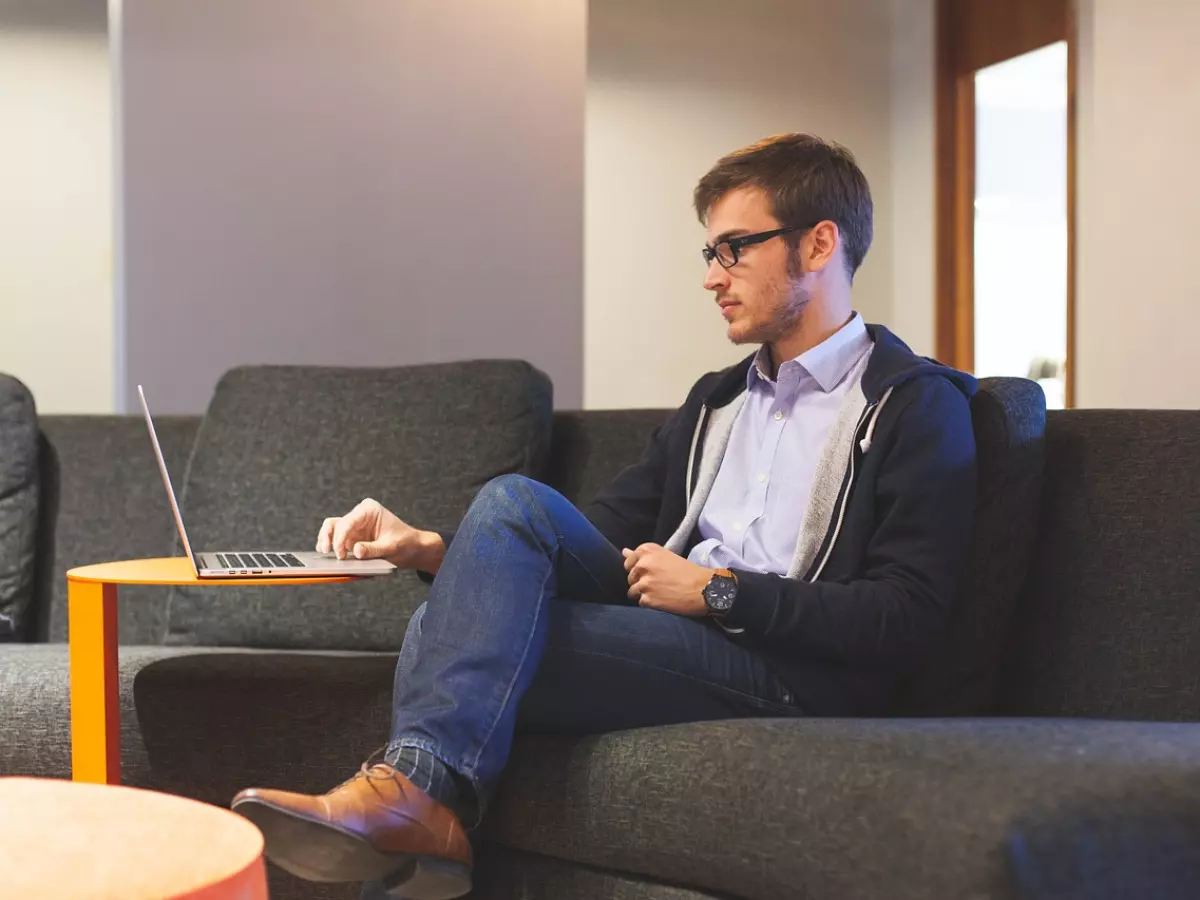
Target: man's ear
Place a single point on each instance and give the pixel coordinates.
(820, 245)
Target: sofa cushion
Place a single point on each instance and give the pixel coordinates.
(904, 809)
(752, 808)
(103, 499)
(205, 723)
(1009, 420)
(282, 447)
(35, 694)
(1109, 626)
(18, 508)
(504, 874)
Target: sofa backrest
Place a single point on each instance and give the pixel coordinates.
(103, 499)
(1109, 625)
(1106, 625)
(282, 447)
(590, 448)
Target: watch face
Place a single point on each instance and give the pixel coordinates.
(720, 593)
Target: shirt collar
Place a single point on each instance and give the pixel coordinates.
(827, 363)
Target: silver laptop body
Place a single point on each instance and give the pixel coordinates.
(256, 563)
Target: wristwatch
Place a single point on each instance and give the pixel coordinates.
(720, 592)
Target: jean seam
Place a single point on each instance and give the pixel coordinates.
(474, 764)
(684, 675)
(567, 550)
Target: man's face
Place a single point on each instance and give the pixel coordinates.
(761, 297)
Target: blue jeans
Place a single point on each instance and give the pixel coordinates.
(528, 623)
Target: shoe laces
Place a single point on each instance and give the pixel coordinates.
(368, 769)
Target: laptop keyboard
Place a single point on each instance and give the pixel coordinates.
(259, 561)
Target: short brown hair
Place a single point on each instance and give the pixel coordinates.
(807, 179)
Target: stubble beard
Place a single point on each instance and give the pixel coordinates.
(786, 308)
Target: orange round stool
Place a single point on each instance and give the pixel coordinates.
(69, 840)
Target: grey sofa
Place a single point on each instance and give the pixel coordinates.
(1041, 753)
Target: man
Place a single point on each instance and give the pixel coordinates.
(787, 545)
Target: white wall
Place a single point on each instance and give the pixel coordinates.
(56, 300)
(1138, 300)
(284, 157)
(672, 86)
(912, 225)
(352, 182)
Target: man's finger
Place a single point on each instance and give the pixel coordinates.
(635, 588)
(341, 534)
(368, 550)
(325, 535)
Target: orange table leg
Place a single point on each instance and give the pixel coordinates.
(95, 714)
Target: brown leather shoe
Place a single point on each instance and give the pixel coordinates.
(377, 825)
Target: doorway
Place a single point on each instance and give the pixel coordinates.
(1005, 155)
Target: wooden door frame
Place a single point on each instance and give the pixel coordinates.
(972, 34)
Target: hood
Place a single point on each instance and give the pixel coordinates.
(893, 363)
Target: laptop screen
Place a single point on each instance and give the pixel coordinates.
(162, 467)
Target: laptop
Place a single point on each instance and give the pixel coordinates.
(257, 563)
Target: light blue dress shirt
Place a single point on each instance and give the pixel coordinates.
(752, 518)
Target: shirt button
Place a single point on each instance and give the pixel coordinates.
(704, 559)
(779, 415)
(737, 526)
(762, 479)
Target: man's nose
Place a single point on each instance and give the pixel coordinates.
(716, 277)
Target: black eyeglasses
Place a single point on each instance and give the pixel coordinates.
(727, 252)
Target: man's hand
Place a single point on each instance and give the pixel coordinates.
(371, 532)
(660, 579)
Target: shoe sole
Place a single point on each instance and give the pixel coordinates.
(317, 851)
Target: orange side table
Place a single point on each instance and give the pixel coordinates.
(92, 637)
(61, 840)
